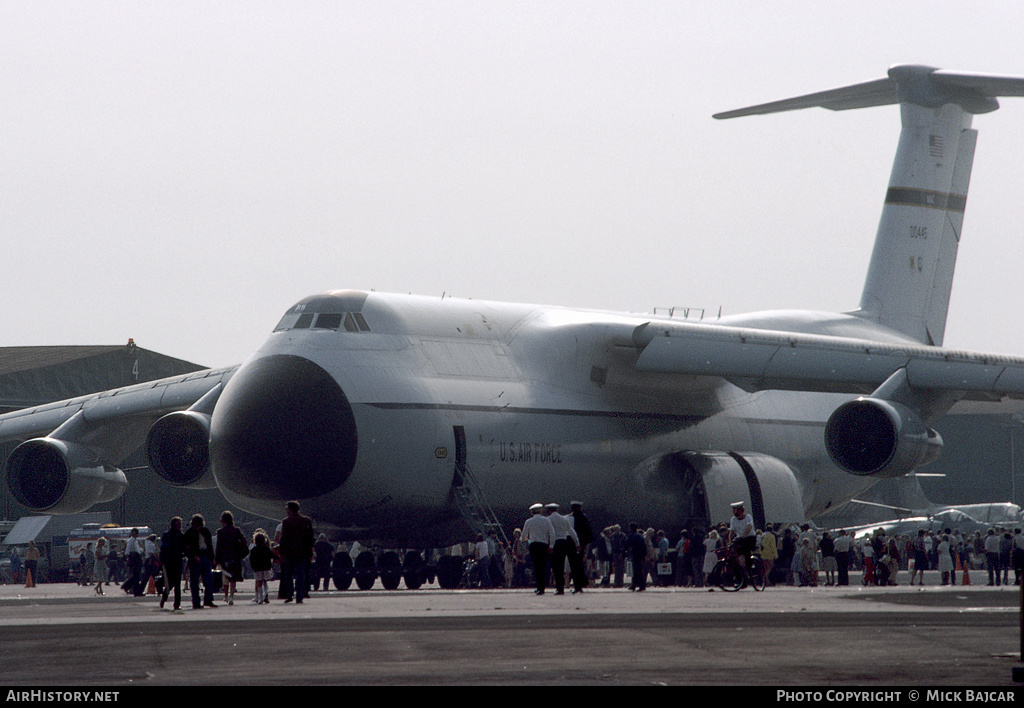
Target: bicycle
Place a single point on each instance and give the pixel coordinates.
(730, 575)
(470, 574)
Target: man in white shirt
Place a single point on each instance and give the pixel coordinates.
(134, 551)
(565, 534)
(539, 535)
(742, 535)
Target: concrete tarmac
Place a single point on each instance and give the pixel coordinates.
(964, 636)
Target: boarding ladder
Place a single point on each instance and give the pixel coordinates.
(470, 499)
(473, 505)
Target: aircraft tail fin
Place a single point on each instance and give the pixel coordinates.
(910, 275)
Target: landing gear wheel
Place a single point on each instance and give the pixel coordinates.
(390, 571)
(341, 571)
(365, 571)
(413, 570)
(449, 571)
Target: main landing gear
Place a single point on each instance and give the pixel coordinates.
(390, 568)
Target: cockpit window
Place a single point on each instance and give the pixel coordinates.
(328, 321)
(353, 321)
(327, 311)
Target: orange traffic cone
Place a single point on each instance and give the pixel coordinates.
(966, 575)
(151, 587)
(29, 583)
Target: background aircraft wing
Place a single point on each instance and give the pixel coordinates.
(114, 416)
(69, 451)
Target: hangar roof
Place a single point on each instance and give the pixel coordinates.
(14, 359)
(33, 375)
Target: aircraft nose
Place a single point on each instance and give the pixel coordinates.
(282, 429)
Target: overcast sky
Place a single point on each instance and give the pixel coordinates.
(183, 172)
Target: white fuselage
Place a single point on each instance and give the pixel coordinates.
(551, 408)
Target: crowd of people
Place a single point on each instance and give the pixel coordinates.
(550, 550)
(206, 562)
(803, 556)
(796, 555)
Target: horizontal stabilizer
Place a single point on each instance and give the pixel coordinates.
(881, 92)
(921, 85)
(990, 86)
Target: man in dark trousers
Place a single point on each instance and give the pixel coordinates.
(172, 550)
(619, 554)
(636, 549)
(322, 567)
(198, 542)
(565, 537)
(135, 552)
(296, 549)
(576, 555)
(539, 535)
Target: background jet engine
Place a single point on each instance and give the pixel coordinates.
(60, 477)
(877, 438)
(178, 447)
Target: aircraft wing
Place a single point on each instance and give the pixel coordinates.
(764, 359)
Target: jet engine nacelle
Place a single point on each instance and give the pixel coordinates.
(61, 477)
(876, 438)
(178, 447)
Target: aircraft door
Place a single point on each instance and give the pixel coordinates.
(460, 447)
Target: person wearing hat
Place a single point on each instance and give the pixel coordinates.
(539, 535)
(565, 538)
(742, 534)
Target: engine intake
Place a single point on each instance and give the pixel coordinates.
(47, 474)
(178, 447)
(870, 437)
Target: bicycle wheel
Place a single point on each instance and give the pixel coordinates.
(728, 576)
(756, 574)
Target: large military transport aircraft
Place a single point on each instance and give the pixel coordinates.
(382, 413)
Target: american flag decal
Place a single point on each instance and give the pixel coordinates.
(935, 145)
